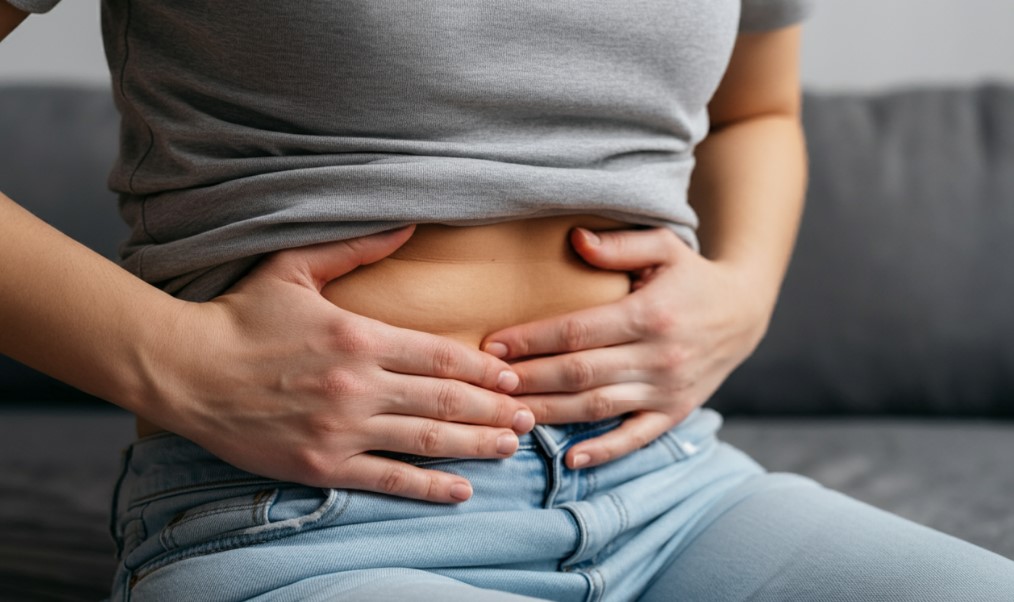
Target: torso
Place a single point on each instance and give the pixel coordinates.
(362, 112)
(467, 282)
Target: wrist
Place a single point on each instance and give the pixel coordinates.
(158, 360)
(755, 285)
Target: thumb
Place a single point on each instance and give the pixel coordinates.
(321, 263)
(627, 250)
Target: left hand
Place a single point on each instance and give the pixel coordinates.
(655, 355)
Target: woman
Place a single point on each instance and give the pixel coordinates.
(500, 400)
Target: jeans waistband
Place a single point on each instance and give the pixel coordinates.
(689, 434)
(167, 464)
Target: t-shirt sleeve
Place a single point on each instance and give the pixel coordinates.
(33, 6)
(762, 15)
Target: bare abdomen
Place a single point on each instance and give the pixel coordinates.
(468, 282)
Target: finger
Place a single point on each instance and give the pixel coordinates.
(589, 406)
(600, 326)
(384, 475)
(581, 370)
(436, 439)
(413, 352)
(316, 265)
(637, 431)
(628, 250)
(452, 400)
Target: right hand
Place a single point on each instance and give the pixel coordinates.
(279, 382)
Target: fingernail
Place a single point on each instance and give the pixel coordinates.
(524, 421)
(590, 236)
(581, 459)
(507, 381)
(496, 349)
(506, 444)
(461, 491)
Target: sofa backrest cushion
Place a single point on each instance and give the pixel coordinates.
(900, 295)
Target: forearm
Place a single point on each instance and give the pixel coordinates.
(748, 190)
(75, 315)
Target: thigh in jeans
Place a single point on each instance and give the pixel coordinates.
(783, 537)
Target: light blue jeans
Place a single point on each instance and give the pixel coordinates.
(686, 518)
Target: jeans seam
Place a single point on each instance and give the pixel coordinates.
(187, 518)
(234, 541)
(134, 533)
(621, 510)
(162, 493)
(671, 444)
(582, 534)
(219, 545)
(600, 584)
(168, 537)
(114, 511)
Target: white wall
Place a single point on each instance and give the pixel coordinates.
(863, 44)
(64, 44)
(854, 44)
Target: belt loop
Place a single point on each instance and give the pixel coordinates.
(544, 437)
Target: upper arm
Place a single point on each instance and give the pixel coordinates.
(10, 18)
(762, 78)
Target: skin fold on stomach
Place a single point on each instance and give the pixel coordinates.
(465, 282)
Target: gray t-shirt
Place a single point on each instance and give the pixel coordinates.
(253, 126)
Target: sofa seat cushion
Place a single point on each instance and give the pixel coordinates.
(952, 475)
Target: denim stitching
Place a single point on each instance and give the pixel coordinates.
(671, 444)
(264, 500)
(596, 583)
(602, 583)
(621, 510)
(187, 517)
(114, 512)
(203, 486)
(582, 533)
(134, 533)
(221, 545)
(233, 541)
(345, 506)
(168, 537)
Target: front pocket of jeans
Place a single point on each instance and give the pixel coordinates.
(262, 514)
(250, 518)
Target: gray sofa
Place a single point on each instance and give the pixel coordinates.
(887, 373)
